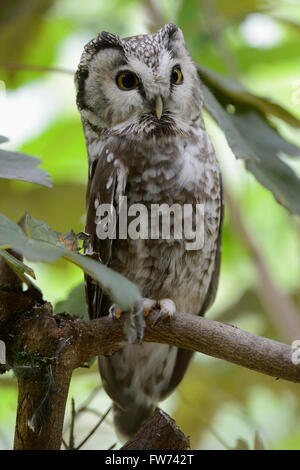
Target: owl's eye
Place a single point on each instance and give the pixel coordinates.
(127, 80)
(176, 75)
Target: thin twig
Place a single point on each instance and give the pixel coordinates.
(34, 68)
(94, 429)
(73, 416)
(64, 444)
(84, 406)
(112, 446)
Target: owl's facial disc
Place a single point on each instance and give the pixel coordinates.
(142, 83)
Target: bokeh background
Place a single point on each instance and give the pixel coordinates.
(218, 404)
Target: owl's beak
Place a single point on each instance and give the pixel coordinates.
(159, 107)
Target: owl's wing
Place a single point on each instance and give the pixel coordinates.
(214, 281)
(106, 184)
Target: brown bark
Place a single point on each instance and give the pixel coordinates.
(46, 432)
(159, 432)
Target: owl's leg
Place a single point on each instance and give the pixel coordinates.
(167, 310)
(146, 305)
(141, 310)
(135, 326)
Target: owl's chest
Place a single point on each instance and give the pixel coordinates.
(178, 173)
(162, 264)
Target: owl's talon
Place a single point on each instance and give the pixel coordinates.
(115, 312)
(146, 312)
(167, 310)
(148, 306)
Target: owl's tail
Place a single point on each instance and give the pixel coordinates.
(128, 421)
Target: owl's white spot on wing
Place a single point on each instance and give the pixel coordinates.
(89, 250)
(94, 149)
(109, 182)
(122, 173)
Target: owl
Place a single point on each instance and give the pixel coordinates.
(140, 102)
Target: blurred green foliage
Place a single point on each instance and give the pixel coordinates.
(217, 403)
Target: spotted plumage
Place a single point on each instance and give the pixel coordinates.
(146, 140)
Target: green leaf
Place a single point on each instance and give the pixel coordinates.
(66, 135)
(236, 141)
(122, 291)
(17, 266)
(230, 89)
(13, 236)
(19, 166)
(75, 303)
(117, 287)
(40, 231)
(47, 245)
(252, 138)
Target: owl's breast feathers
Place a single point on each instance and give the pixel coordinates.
(174, 171)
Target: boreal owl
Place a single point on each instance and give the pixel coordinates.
(140, 101)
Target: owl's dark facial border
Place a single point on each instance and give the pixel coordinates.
(82, 72)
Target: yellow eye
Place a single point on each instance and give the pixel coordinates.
(127, 80)
(176, 75)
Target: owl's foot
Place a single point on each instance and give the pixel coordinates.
(167, 310)
(148, 306)
(134, 328)
(115, 312)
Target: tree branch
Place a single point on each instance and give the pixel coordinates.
(198, 334)
(44, 349)
(158, 432)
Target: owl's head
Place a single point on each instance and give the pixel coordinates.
(140, 84)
